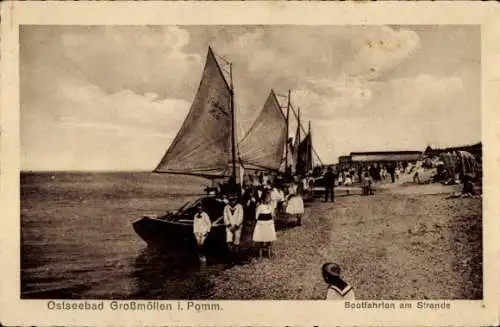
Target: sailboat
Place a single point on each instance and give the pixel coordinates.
(206, 146)
(304, 154)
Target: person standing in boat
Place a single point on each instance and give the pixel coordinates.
(261, 179)
(201, 228)
(255, 181)
(233, 219)
(232, 186)
(246, 182)
(264, 233)
(265, 179)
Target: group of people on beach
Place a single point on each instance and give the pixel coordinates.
(258, 202)
(261, 199)
(349, 175)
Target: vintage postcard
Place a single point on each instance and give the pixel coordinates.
(249, 163)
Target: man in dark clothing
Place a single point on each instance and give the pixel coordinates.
(392, 171)
(329, 179)
(360, 174)
(373, 172)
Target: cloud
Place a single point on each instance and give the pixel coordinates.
(330, 70)
(355, 98)
(102, 95)
(109, 93)
(120, 130)
(420, 95)
(328, 99)
(379, 50)
(144, 59)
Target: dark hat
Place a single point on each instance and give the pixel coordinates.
(232, 196)
(330, 271)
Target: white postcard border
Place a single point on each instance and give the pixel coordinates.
(14, 311)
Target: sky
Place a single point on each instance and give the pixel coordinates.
(114, 97)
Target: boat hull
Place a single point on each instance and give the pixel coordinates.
(177, 236)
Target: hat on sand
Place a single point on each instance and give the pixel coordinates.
(330, 271)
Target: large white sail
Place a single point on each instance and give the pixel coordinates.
(203, 144)
(263, 144)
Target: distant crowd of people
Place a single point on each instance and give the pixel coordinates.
(376, 172)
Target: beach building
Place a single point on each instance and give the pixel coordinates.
(345, 160)
(380, 157)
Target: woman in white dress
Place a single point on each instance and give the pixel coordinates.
(264, 233)
(341, 178)
(347, 180)
(295, 203)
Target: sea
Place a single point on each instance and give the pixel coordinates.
(77, 240)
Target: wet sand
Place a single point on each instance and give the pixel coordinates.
(405, 242)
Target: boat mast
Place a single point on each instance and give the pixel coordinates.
(297, 142)
(304, 130)
(298, 127)
(287, 121)
(233, 131)
(309, 148)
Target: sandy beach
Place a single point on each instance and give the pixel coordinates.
(405, 242)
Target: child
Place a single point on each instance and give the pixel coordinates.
(264, 233)
(367, 184)
(233, 219)
(338, 289)
(295, 204)
(201, 228)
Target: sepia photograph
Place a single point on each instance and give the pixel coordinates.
(251, 162)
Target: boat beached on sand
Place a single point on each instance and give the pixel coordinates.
(206, 146)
